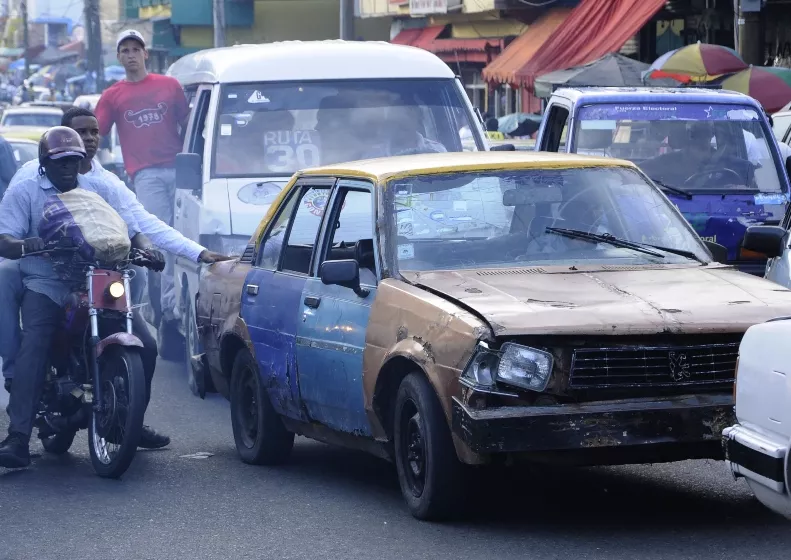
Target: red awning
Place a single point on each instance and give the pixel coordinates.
(449, 50)
(594, 28)
(418, 37)
(505, 67)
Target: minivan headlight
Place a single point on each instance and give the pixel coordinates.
(516, 365)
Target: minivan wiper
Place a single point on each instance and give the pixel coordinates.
(603, 238)
(671, 188)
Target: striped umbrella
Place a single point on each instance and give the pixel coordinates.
(771, 86)
(698, 62)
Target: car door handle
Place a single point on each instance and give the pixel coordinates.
(312, 302)
(252, 290)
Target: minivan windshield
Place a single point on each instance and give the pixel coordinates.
(536, 217)
(694, 147)
(275, 129)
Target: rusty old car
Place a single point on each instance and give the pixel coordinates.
(447, 310)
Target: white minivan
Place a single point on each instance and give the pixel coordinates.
(262, 112)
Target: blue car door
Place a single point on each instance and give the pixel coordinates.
(272, 294)
(334, 319)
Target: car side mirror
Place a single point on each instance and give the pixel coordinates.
(767, 240)
(503, 148)
(344, 273)
(188, 172)
(718, 252)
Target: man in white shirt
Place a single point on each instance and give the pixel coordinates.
(118, 195)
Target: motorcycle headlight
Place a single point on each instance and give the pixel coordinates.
(116, 290)
(524, 367)
(516, 365)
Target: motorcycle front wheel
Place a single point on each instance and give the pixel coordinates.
(114, 433)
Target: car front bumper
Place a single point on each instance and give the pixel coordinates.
(637, 423)
(764, 461)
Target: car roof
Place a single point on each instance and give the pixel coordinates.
(623, 94)
(308, 60)
(20, 140)
(34, 109)
(384, 169)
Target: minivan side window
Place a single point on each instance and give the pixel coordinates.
(200, 110)
(556, 129)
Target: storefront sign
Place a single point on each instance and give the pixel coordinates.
(422, 7)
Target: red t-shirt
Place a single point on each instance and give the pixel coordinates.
(147, 114)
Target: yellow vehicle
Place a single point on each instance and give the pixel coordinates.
(33, 133)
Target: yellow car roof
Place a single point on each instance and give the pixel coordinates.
(385, 169)
(33, 133)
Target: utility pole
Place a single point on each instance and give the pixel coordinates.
(93, 32)
(347, 20)
(751, 41)
(219, 23)
(25, 37)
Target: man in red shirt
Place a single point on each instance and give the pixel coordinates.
(150, 112)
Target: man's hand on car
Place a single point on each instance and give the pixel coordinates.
(210, 257)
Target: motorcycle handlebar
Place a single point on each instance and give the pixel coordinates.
(136, 257)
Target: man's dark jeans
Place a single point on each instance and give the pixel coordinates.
(41, 317)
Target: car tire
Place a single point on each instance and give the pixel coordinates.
(259, 433)
(429, 471)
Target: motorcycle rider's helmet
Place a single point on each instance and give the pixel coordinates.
(59, 142)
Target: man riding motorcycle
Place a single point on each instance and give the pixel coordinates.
(163, 236)
(60, 153)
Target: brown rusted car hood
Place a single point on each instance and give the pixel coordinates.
(554, 300)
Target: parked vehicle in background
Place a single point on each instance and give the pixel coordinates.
(782, 126)
(32, 133)
(758, 447)
(478, 308)
(24, 150)
(262, 112)
(712, 152)
(44, 117)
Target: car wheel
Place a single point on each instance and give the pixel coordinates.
(428, 469)
(261, 438)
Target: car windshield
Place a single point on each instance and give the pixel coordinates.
(501, 219)
(276, 129)
(24, 151)
(47, 120)
(688, 146)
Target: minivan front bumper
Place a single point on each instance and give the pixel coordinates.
(661, 422)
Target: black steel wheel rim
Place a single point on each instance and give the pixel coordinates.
(413, 448)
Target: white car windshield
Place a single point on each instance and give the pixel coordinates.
(279, 128)
(536, 217)
(689, 146)
(46, 120)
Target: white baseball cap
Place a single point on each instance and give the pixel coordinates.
(129, 34)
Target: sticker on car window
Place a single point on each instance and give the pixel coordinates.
(258, 97)
(771, 198)
(226, 130)
(406, 251)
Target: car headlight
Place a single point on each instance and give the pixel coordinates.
(516, 365)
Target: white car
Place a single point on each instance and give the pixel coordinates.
(758, 447)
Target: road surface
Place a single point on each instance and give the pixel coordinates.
(335, 504)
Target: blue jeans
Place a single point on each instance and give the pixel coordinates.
(11, 291)
(156, 190)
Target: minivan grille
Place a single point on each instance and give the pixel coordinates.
(665, 366)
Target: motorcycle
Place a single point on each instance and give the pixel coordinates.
(95, 379)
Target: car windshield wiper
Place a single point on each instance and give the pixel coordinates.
(671, 188)
(680, 252)
(603, 238)
(608, 238)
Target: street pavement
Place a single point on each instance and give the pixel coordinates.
(336, 504)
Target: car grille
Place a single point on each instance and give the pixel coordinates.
(666, 366)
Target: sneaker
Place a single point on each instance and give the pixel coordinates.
(150, 439)
(14, 452)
